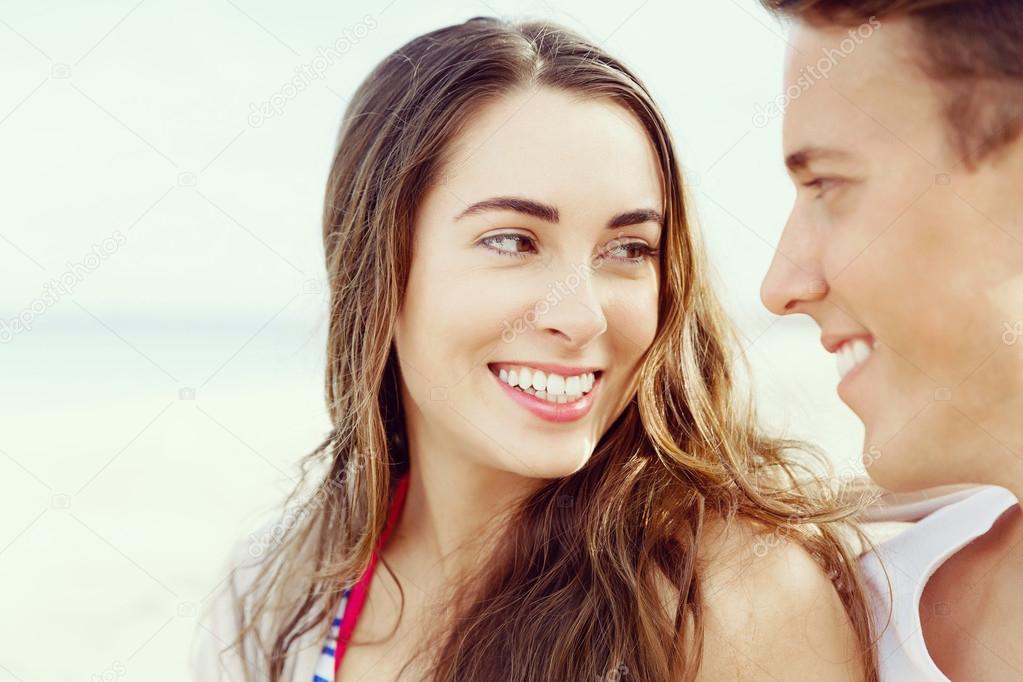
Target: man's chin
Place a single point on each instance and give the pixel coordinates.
(905, 461)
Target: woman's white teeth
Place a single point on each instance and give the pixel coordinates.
(553, 387)
(852, 354)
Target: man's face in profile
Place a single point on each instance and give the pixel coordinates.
(908, 261)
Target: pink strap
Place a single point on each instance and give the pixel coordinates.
(361, 589)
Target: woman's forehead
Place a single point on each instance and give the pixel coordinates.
(554, 146)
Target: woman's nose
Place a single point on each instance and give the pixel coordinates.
(576, 313)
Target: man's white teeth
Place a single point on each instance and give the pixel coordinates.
(552, 387)
(851, 354)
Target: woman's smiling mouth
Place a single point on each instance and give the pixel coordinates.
(548, 394)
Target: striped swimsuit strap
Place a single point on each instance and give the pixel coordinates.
(352, 599)
(325, 665)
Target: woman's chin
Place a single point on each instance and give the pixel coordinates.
(530, 465)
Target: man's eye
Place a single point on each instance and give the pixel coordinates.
(507, 244)
(822, 184)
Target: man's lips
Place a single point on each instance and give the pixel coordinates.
(832, 342)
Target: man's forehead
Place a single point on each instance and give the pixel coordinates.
(847, 54)
(847, 86)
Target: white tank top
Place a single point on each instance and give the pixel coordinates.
(947, 524)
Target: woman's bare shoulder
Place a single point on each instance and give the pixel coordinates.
(771, 610)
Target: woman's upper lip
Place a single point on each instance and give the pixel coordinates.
(548, 367)
(832, 342)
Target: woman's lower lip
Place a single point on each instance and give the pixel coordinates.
(554, 412)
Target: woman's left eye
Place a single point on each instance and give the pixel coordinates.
(644, 250)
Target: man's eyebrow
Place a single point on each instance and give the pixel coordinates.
(799, 160)
(550, 213)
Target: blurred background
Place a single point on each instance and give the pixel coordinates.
(162, 169)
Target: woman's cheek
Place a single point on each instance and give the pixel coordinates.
(631, 313)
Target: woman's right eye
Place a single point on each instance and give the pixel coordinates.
(506, 240)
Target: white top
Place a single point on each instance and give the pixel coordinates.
(949, 522)
(217, 626)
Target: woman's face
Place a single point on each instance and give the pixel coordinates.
(534, 263)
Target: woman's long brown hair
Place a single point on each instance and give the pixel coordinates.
(574, 589)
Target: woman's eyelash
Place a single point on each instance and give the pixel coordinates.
(646, 253)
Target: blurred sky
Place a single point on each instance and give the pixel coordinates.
(159, 402)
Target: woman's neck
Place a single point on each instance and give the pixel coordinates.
(452, 508)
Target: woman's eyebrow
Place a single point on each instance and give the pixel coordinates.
(636, 217)
(550, 213)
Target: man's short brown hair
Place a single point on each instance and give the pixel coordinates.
(972, 48)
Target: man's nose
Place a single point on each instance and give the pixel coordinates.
(789, 282)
